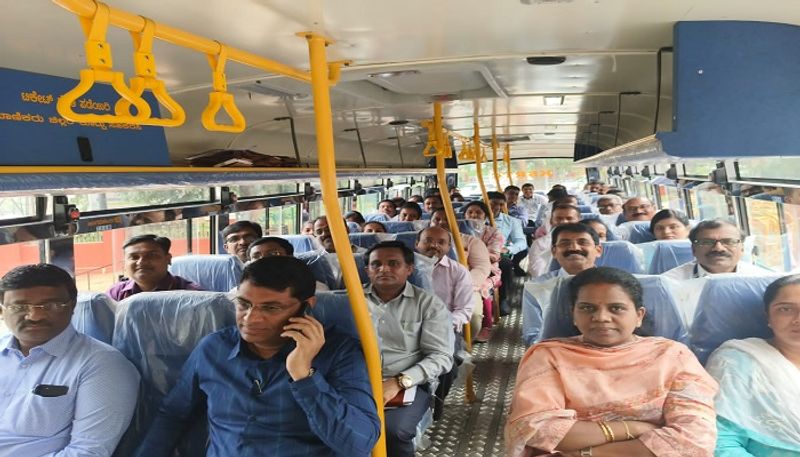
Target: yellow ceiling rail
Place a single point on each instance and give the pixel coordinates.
(320, 71)
(100, 69)
(144, 63)
(494, 163)
(479, 157)
(507, 160)
(220, 98)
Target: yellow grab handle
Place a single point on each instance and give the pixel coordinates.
(145, 64)
(99, 61)
(221, 98)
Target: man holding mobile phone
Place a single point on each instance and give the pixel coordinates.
(63, 393)
(277, 383)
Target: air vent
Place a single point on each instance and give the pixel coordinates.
(546, 60)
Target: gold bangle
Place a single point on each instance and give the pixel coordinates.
(628, 431)
(607, 432)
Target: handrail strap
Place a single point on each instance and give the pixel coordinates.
(220, 98)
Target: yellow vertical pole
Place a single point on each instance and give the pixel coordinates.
(441, 147)
(494, 162)
(476, 143)
(507, 160)
(327, 175)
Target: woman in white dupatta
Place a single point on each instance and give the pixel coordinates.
(758, 404)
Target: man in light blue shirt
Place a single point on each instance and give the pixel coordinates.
(515, 249)
(63, 394)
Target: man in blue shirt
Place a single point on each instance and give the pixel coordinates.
(515, 249)
(277, 384)
(63, 393)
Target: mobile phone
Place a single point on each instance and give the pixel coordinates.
(49, 390)
(303, 310)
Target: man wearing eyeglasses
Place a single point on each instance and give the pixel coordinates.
(717, 246)
(61, 392)
(638, 209)
(238, 237)
(147, 260)
(278, 383)
(322, 232)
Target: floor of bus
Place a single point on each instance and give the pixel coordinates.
(476, 430)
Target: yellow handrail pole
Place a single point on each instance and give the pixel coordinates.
(494, 163)
(507, 160)
(178, 37)
(476, 143)
(327, 176)
(441, 148)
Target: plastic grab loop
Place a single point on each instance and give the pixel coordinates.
(98, 59)
(220, 98)
(145, 65)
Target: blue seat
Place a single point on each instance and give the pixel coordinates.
(640, 232)
(668, 254)
(213, 272)
(587, 216)
(365, 240)
(321, 267)
(379, 217)
(157, 331)
(536, 295)
(426, 216)
(94, 316)
(399, 226)
(457, 205)
(585, 208)
(302, 243)
(353, 227)
(623, 255)
(663, 317)
(333, 309)
(731, 306)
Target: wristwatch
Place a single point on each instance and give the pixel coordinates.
(404, 381)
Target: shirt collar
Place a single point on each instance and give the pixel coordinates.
(445, 261)
(408, 291)
(56, 347)
(699, 272)
(239, 347)
(164, 284)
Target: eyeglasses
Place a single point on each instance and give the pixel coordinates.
(236, 238)
(708, 242)
(581, 242)
(273, 253)
(642, 207)
(244, 306)
(19, 308)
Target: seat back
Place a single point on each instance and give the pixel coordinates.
(399, 226)
(623, 255)
(663, 317)
(379, 217)
(536, 297)
(324, 271)
(157, 331)
(635, 232)
(333, 310)
(94, 315)
(668, 254)
(365, 240)
(353, 227)
(213, 272)
(731, 306)
(585, 208)
(302, 243)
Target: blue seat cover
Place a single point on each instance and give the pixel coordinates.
(213, 272)
(94, 315)
(301, 243)
(379, 217)
(640, 232)
(365, 240)
(353, 227)
(320, 264)
(623, 255)
(333, 309)
(669, 254)
(585, 208)
(662, 318)
(399, 226)
(731, 306)
(157, 331)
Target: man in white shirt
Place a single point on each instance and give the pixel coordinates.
(717, 246)
(533, 202)
(540, 252)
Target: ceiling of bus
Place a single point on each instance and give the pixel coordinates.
(469, 53)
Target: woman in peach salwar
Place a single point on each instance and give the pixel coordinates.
(609, 392)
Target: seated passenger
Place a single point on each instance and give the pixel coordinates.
(717, 247)
(308, 228)
(269, 246)
(540, 252)
(669, 224)
(757, 404)
(416, 199)
(64, 393)
(608, 391)
(494, 241)
(432, 203)
(374, 227)
(410, 212)
(238, 237)
(598, 226)
(388, 208)
(576, 247)
(478, 259)
(323, 234)
(515, 208)
(398, 201)
(355, 216)
(414, 328)
(277, 383)
(609, 204)
(638, 209)
(456, 197)
(147, 258)
(515, 249)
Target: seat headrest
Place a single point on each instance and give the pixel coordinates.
(214, 272)
(94, 316)
(302, 243)
(623, 255)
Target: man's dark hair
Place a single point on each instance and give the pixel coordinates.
(412, 207)
(607, 275)
(161, 241)
(399, 201)
(711, 225)
(386, 201)
(775, 287)
(668, 214)
(378, 223)
(570, 207)
(588, 222)
(568, 201)
(557, 193)
(574, 228)
(511, 187)
(38, 275)
(408, 254)
(358, 217)
(494, 195)
(287, 246)
(239, 226)
(419, 233)
(279, 273)
(479, 204)
(527, 184)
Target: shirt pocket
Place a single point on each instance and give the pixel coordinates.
(45, 416)
(411, 333)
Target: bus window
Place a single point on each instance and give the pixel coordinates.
(13, 255)
(670, 198)
(201, 235)
(764, 223)
(257, 215)
(769, 167)
(258, 190)
(134, 199)
(700, 168)
(368, 203)
(711, 203)
(17, 207)
(791, 240)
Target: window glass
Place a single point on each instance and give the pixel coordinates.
(138, 198)
(791, 240)
(201, 235)
(542, 173)
(770, 167)
(699, 167)
(257, 190)
(13, 255)
(368, 203)
(259, 216)
(711, 204)
(768, 243)
(17, 207)
(316, 209)
(289, 222)
(671, 199)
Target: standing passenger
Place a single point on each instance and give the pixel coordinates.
(277, 384)
(147, 259)
(64, 393)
